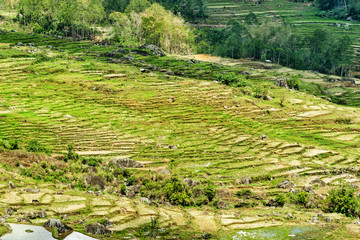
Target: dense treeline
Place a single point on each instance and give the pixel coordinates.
(321, 50)
(341, 9)
(189, 9)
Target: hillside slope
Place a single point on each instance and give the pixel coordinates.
(65, 92)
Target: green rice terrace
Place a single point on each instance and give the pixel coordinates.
(142, 146)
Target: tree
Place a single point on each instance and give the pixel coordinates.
(115, 5)
(137, 6)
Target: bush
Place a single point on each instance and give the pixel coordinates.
(227, 78)
(71, 154)
(280, 200)
(302, 197)
(244, 193)
(210, 192)
(177, 193)
(123, 189)
(37, 147)
(342, 200)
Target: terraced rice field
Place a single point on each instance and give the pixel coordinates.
(303, 16)
(197, 128)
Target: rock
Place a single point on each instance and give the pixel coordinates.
(96, 228)
(127, 59)
(164, 171)
(286, 184)
(31, 45)
(308, 189)
(268, 61)
(155, 50)
(65, 218)
(56, 223)
(31, 215)
(271, 203)
(79, 59)
(206, 236)
(222, 205)
(11, 185)
(134, 188)
(282, 82)
(352, 169)
(289, 216)
(349, 19)
(191, 182)
(327, 219)
(13, 31)
(81, 222)
(244, 181)
(294, 175)
(23, 220)
(93, 181)
(145, 200)
(106, 223)
(41, 214)
(98, 193)
(172, 147)
(130, 194)
(293, 191)
(2, 220)
(19, 44)
(245, 73)
(9, 211)
(35, 201)
(315, 220)
(143, 70)
(126, 163)
(30, 190)
(262, 137)
(318, 182)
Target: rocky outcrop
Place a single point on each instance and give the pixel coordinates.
(56, 223)
(126, 163)
(97, 228)
(286, 184)
(244, 181)
(164, 171)
(318, 182)
(155, 50)
(93, 181)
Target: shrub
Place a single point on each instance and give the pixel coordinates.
(177, 193)
(227, 78)
(210, 192)
(71, 154)
(37, 147)
(123, 189)
(342, 200)
(302, 197)
(280, 200)
(244, 193)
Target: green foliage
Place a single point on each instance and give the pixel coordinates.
(293, 82)
(177, 193)
(91, 161)
(342, 200)
(37, 147)
(302, 197)
(123, 189)
(71, 154)
(210, 192)
(251, 19)
(280, 200)
(137, 6)
(246, 193)
(227, 78)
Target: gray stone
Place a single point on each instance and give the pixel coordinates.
(93, 181)
(96, 228)
(145, 200)
(11, 185)
(164, 171)
(318, 182)
(315, 220)
(61, 227)
(244, 181)
(155, 50)
(126, 163)
(222, 205)
(286, 184)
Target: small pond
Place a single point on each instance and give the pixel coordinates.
(31, 232)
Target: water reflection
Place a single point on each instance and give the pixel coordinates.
(19, 232)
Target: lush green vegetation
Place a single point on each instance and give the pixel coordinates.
(321, 50)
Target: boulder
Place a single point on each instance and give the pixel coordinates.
(244, 181)
(315, 220)
(19, 44)
(222, 205)
(282, 82)
(145, 200)
(11, 185)
(126, 163)
(97, 228)
(23, 220)
(318, 182)
(206, 236)
(286, 184)
(262, 137)
(93, 181)
(155, 50)
(56, 223)
(271, 203)
(191, 182)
